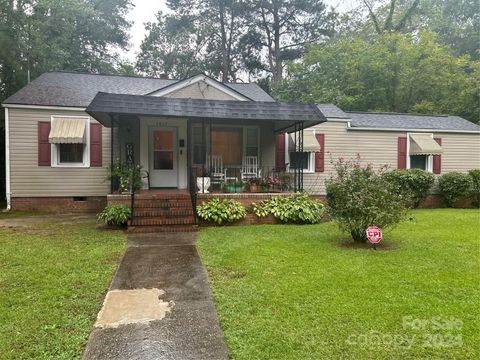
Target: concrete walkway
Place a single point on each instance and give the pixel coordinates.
(181, 323)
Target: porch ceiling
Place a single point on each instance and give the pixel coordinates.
(284, 116)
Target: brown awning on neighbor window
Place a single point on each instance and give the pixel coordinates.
(310, 143)
(424, 144)
(67, 131)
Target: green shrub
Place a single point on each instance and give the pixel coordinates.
(125, 174)
(298, 209)
(115, 215)
(220, 211)
(475, 176)
(413, 183)
(359, 197)
(453, 186)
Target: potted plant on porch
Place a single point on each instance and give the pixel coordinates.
(256, 185)
(234, 187)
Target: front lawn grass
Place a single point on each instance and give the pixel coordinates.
(292, 292)
(52, 281)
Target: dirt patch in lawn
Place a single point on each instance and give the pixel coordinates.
(349, 244)
(37, 221)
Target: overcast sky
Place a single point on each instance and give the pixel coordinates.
(145, 10)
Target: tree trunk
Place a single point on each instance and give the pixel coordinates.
(225, 64)
(278, 70)
(358, 236)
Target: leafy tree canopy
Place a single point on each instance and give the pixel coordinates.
(393, 72)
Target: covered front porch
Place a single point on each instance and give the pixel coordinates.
(205, 145)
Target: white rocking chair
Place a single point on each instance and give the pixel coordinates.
(217, 172)
(250, 168)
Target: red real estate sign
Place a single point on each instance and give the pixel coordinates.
(374, 234)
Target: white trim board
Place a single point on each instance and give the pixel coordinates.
(196, 79)
(349, 127)
(43, 107)
(7, 160)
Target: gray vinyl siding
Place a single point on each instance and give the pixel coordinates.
(461, 151)
(30, 180)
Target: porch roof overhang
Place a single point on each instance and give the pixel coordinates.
(284, 116)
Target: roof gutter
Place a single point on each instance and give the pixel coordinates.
(350, 127)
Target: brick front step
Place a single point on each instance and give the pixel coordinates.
(158, 221)
(162, 204)
(165, 213)
(164, 228)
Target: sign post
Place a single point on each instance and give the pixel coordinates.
(374, 235)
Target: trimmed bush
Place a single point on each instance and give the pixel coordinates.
(221, 211)
(359, 197)
(297, 209)
(413, 183)
(475, 176)
(453, 186)
(115, 215)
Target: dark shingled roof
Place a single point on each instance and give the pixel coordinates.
(410, 122)
(382, 120)
(284, 115)
(78, 90)
(332, 111)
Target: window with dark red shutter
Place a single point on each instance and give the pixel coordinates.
(44, 147)
(95, 145)
(402, 153)
(320, 155)
(437, 159)
(280, 152)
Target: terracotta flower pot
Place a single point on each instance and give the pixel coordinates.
(255, 188)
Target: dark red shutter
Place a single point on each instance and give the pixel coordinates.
(95, 145)
(44, 147)
(437, 159)
(320, 155)
(402, 153)
(280, 152)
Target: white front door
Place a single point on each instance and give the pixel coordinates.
(163, 157)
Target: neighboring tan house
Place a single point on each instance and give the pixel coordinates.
(64, 130)
(435, 143)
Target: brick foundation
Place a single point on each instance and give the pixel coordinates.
(90, 204)
(435, 201)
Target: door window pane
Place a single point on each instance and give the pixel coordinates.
(163, 160)
(163, 140)
(71, 153)
(418, 162)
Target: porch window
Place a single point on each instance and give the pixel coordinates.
(198, 145)
(251, 141)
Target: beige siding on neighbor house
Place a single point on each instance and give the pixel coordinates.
(200, 90)
(461, 151)
(30, 180)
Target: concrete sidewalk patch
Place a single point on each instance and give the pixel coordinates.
(132, 307)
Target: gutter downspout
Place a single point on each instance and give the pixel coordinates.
(7, 160)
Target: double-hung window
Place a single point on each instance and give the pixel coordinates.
(69, 137)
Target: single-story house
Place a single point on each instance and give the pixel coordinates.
(64, 131)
